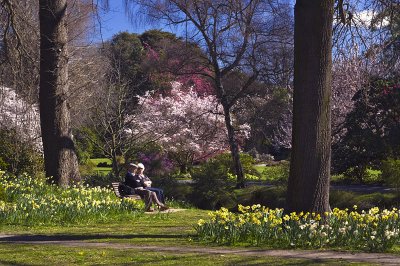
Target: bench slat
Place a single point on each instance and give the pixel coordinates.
(115, 186)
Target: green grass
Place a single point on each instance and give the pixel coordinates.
(259, 168)
(51, 255)
(273, 173)
(96, 161)
(159, 230)
(101, 170)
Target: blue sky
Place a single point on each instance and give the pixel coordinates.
(115, 20)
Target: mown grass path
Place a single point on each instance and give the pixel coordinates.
(159, 239)
(327, 257)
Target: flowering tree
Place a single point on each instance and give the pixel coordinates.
(20, 115)
(233, 36)
(349, 76)
(20, 142)
(189, 127)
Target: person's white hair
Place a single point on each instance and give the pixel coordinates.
(140, 165)
(133, 165)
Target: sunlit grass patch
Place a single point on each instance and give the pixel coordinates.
(55, 254)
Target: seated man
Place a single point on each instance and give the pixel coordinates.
(146, 183)
(133, 185)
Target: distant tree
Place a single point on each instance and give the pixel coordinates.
(371, 129)
(231, 35)
(109, 120)
(189, 127)
(125, 53)
(308, 187)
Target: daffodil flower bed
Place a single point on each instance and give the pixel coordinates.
(373, 230)
(25, 200)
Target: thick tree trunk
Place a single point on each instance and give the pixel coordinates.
(59, 153)
(308, 188)
(233, 147)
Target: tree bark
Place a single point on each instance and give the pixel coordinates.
(308, 188)
(233, 146)
(61, 162)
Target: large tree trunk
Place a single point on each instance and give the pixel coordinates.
(308, 188)
(59, 153)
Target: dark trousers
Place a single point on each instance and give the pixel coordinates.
(159, 192)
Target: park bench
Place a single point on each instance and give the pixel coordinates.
(115, 186)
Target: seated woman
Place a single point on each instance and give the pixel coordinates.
(133, 185)
(146, 183)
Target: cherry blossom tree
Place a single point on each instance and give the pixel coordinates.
(20, 115)
(20, 142)
(190, 127)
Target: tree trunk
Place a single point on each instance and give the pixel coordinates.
(233, 147)
(116, 169)
(308, 188)
(61, 162)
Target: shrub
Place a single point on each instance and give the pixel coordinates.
(347, 199)
(87, 168)
(214, 181)
(84, 139)
(274, 197)
(99, 180)
(173, 189)
(391, 173)
(17, 154)
(277, 174)
(211, 184)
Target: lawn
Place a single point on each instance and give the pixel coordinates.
(114, 240)
(101, 170)
(50, 255)
(45, 224)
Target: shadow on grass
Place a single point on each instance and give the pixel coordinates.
(7, 263)
(44, 238)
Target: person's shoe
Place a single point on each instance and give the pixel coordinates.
(164, 208)
(149, 210)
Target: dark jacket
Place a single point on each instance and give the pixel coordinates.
(131, 185)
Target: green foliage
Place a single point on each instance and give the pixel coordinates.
(86, 169)
(225, 165)
(154, 37)
(274, 197)
(347, 199)
(100, 179)
(211, 185)
(213, 182)
(18, 155)
(277, 174)
(84, 140)
(172, 188)
(368, 176)
(126, 54)
(391, 173)
(372, 129)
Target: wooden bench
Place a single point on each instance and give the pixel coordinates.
(115, 186)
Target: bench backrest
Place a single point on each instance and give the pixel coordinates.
(115, 186)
